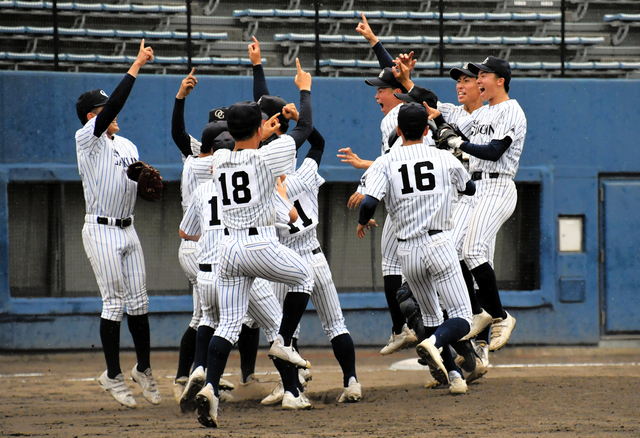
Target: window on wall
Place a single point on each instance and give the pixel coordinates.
(47, 257)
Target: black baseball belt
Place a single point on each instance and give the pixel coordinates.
(122, 223)
(318, 250)
(205, 267)
(475, 176)
(252, 231)
(430, 233)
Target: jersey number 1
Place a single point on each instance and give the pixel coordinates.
(306, 221)
(215, 218)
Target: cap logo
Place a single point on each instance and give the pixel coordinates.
(486, 60)
(381, 74)
(103, 93)
(219, 114)
(466, 66)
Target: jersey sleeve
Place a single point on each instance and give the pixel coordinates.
(278, 154)
(446, 109)
(376, 183)
(459, 175)
(306, 178)
(283, 207)
(190, 224)
(85, 140)
(195, 146)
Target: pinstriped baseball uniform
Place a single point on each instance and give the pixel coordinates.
(246, 182)
(301, 236)
(415, 182)
(115, 253)
(496, 197)
(203, 217)
(195, 171)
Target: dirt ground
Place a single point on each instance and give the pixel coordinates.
(528, 392)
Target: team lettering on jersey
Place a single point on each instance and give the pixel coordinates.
(481, 129)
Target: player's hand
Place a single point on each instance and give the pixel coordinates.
(362, 228)
(187, 85)
(270, 126)
(346, 155)
(145, 54)
(407, 59)
(364, 29)
(402, 74)
(254, 52)
(281, 187)
(433, 113)
(302, 79)
(289, 111)
(355, 200)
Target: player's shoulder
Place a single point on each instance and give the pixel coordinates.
(283, 141)
(87, 129)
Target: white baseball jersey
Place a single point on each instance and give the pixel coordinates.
(495, 122)
(246, 182)
(115, 253)
(301, 236)
(414, 182)
(203, 218)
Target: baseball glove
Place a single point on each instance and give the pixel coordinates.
(443, 134)
(149, 180)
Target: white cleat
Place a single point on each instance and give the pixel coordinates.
(275, 397)
(148, 384)
(478, 323)
(118, 389)
(501, 332)
(178, 388)
(352, 393)
(226, 385)
(194, 385)
(304, 375)
(288, 354)
(207, 404)
(431, 355)
(458, 385)
(482, 361)
(291, 403)
(406, 339)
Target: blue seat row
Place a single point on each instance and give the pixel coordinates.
(95, 7)
(622, 17)
(397, 15)
(613, 65)
(302, 38)
(123, 59)
(111, 33)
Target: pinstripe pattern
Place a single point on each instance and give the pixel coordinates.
(497, 122)
(268, 163)
(389, 245)
(195, 171)
(188, 258)
(389, 124)
(115, 253)
(431, 268)
(416, 210)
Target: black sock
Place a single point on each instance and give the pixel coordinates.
(295, 303)
(289, 376)
(110, 337)
(345, 353)
(139, 328)
(294, 344)
(205, 333)
(248, 347)
(391, 285)
(448, 361)
(484, 334)
(219, 349)
(486, 279)
(451, 330)
(187, 352)
(468, 279)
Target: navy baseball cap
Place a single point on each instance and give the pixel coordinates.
(456, 72)
(244, 115)
(420, 95)
(493, 65)
(218, 114)
(89, 100)
(272, 105)
(412, 117)
(386, 79)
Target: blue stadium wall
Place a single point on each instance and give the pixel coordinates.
(580, 133)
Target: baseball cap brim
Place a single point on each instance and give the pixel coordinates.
(405, 97)
(475, 68)
(456, 72)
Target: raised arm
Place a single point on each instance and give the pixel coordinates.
(384, 59)
(305, 119)
(260, 87)
(178, 130)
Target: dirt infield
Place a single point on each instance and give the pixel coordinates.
(528, 392)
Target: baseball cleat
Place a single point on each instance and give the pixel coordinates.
(352, 393)
(178, 388)
(291, 403)
(478, 323)
(458, 385)
(207, 404)
(194, 385)
(148, 384)
(466, 355)
(118, 389)
(406, 339)
(431, 355)
(501, 332)
(288, 354)
(275, 397)
(304, 375)
(482, 362)
(225, 385)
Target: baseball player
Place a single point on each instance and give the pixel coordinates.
(108, 235)
(496, 134)
(197, 158)
(246, 179)
(415, 182)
